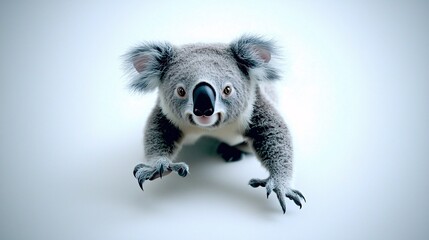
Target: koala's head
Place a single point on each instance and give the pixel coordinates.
(204, 85)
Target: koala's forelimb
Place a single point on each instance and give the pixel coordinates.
(161, 137)
(271, 141)
(162, 141)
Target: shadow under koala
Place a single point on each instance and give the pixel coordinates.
(206, 172)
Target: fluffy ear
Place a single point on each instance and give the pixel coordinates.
(253, 55)
(147, 64)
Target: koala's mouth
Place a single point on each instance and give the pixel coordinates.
(205, 121)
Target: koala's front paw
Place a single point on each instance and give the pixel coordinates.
(280, 189)
(145, 172)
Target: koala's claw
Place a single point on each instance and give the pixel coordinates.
(296, 197)
(136, 168)
(145, 172)
(280, 191)
(182, 172)
(258, 183)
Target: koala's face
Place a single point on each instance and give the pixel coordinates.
(204, 85)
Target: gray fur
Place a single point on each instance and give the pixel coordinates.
(243, 115)
(156, 57)
(270, 138)
(246, 51)
(161, 137)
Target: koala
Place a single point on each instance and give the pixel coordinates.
(214, 90)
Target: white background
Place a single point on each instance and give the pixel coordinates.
(355, 95)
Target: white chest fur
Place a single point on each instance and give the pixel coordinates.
(231, 134)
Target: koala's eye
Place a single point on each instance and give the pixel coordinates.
(181, 91)
(227, 90)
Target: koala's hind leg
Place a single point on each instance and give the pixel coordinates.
(233, 153)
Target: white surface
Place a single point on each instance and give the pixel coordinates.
(355, 95)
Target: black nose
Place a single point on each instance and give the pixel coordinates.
(204, 99)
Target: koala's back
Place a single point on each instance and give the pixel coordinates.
(269, 92)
